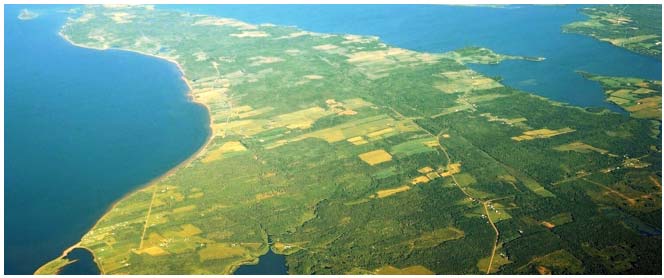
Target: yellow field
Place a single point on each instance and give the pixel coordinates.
(152, 245)
(262, 60)
(464, 81)
(548, 225)
(580, 147)
(514, 121)
(250, 34)
(420, 179)
(267, 195)
(252, 113)
(209, 96)
(411, 270)
(221, 251)
(189, 230)
(346, 109)
(300, 119)
(433, 175)
(635, 39)
(325, 47)
(389, 192)
(619, 101)
(650, 107)
(376, 64)
(380, 132)
(228, 147)
(425, 170)
(360, 127)
(375, 157)
(196, 195)
(313, 77)
(452, 168)
(357, 140)
(376, 55)
(152, 251)
(241, 127)
(184, 209)
(541, 133)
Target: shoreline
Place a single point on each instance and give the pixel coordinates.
(167, 174)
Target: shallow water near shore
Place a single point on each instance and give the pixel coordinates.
(84, 263)
(83, 128)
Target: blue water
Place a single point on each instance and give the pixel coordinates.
(82, 128)
(268, 264)
(83, 263)
(516, 30)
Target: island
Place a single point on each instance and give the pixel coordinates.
(637, 28)
(350, 156)
(26, 14)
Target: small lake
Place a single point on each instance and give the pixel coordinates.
(268, 264)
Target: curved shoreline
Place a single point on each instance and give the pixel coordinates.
(167, 174)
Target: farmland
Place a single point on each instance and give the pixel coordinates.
(637, 28)
(641, 98)
(348, 155)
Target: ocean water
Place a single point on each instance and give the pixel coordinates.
(82, 128)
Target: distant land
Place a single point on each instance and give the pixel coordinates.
(634, 27)
(350, 156)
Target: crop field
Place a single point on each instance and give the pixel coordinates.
(580, 147)
(642, 98)
(347, 155)
(375, 157)
(541, 133)
(634, 27)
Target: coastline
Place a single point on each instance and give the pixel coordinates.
(209, 138)
(167, 174)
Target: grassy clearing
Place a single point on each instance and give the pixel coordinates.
(411, 270)
(422, 145)
(437, 237)
(557, 220)
(580, 147)
(541, 134)
(375, 157)
(464, 81)
(389, 192)
(228, 147)
(360, 127)
(557, 262)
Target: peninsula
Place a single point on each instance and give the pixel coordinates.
(637, 28)
(356, 157)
